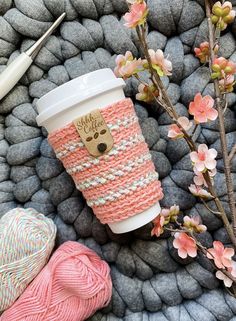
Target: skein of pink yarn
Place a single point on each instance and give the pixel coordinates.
(71, 287)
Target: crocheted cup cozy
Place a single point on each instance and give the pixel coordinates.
(121, 183)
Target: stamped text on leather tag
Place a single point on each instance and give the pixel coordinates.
(94, 133)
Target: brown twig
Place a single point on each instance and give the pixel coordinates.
(209, 209)
(232, 153)
(174, 230)
(219, 105)
(154, 75)
(194, 130)
(220, 208)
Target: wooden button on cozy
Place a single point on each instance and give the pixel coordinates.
(94, 133)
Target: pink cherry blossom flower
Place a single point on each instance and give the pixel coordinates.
(204, 158)
(202, 109)
(193, 224)
(199, 191)
(137, 15)
(162, 65)
(232, 270)
(227, 281)
(199, 179)
(175, 131)
(147, 93)
(158, 222)
(127, 65)
(222, 256)
(170, 214)
(227, 84)
(185, 245)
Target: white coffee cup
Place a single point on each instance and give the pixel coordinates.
(79, 97)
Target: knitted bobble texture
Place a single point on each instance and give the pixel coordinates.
(113, 182)
(26, 242)
(71, 287)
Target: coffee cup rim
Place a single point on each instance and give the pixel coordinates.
(78, 90)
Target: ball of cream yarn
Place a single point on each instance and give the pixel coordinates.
(26, 242)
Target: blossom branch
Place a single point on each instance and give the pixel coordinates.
(202, 109)
(168, 106)
(219, 105)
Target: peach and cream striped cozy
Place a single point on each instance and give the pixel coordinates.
(121, 183)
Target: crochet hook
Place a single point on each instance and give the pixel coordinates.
(12, 74)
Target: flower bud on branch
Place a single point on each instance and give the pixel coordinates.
(222, 14)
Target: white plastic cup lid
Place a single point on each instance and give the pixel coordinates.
(75, 92)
